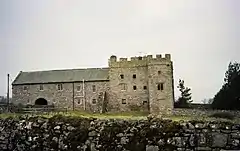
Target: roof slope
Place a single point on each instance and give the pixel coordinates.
(69, 75)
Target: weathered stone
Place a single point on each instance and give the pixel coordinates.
(120, 135)
(57, 127)
(152, 148)
(219, 140)
(124, 140)
(70, 128)
(203, 148)
(92, 134)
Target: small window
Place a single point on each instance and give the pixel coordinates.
(25, 88)
(94, 101)
(134, 87)
(145, 87)
(122, 76)
(134, 76)
(123, 86)
(60, 87)
(41, 87)
(78, 88)
(144, 102)
(79, 101)
(159, 72)
(94, 88)
(160, 86)
(124, 101)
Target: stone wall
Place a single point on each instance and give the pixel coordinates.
(150, 71)
(202, 112)
(72, 134)
(64, 97)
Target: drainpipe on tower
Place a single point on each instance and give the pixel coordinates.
(73, 98)
(84, 96)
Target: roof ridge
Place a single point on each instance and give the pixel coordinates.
(64, 69)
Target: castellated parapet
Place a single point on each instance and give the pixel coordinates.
(138, 61)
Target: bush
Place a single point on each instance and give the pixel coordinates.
(225, 115)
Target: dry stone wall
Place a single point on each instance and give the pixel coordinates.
(202, 112)
(72, 134)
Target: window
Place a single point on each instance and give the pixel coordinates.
(25, 88)
(78, 88)
(134, 76)
(145, 87)
(160, 86)
(41, 87)
(124, 101)
(159, 72)
(94, 101)
(123, 86)
(144, 102)
(79, 101)
(94, 88)
(60, 87)
(134, 87)
(122, 76)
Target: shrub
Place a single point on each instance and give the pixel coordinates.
(225, 115)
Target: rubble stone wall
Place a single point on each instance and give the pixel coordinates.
(202, 112)
(72, 134)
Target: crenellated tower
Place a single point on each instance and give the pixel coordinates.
(143, 82)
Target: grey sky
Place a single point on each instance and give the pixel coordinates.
(202, 36)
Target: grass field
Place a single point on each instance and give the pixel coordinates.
(124, 115)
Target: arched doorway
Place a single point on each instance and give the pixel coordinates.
(41, 101)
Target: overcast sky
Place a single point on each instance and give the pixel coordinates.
(202, 36)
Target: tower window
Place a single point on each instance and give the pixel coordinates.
(134, 76)
(78, 88)
(124, 101)
(60, 87)
(94, 88)
(160, 86)
(41, 87)
(94, 101)
(25, 88)
(145, 87)
(159, 72)
(134, 87)
(122, 76)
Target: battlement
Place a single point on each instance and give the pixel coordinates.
(141, 58)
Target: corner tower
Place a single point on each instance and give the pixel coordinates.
(160, 83)
(144, 82)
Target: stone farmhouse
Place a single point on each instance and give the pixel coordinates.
(140, 83)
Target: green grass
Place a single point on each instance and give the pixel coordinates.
(119, 115)
(123, 115)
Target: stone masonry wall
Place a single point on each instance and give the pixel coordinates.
(150, 71)
(160, 71)
(61, 98)
(202, 112)
(138, 97)
(73, 134)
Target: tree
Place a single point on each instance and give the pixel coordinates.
(207, 101)
(185, 99)
(228, 96)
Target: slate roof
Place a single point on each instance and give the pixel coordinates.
(68, 75)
